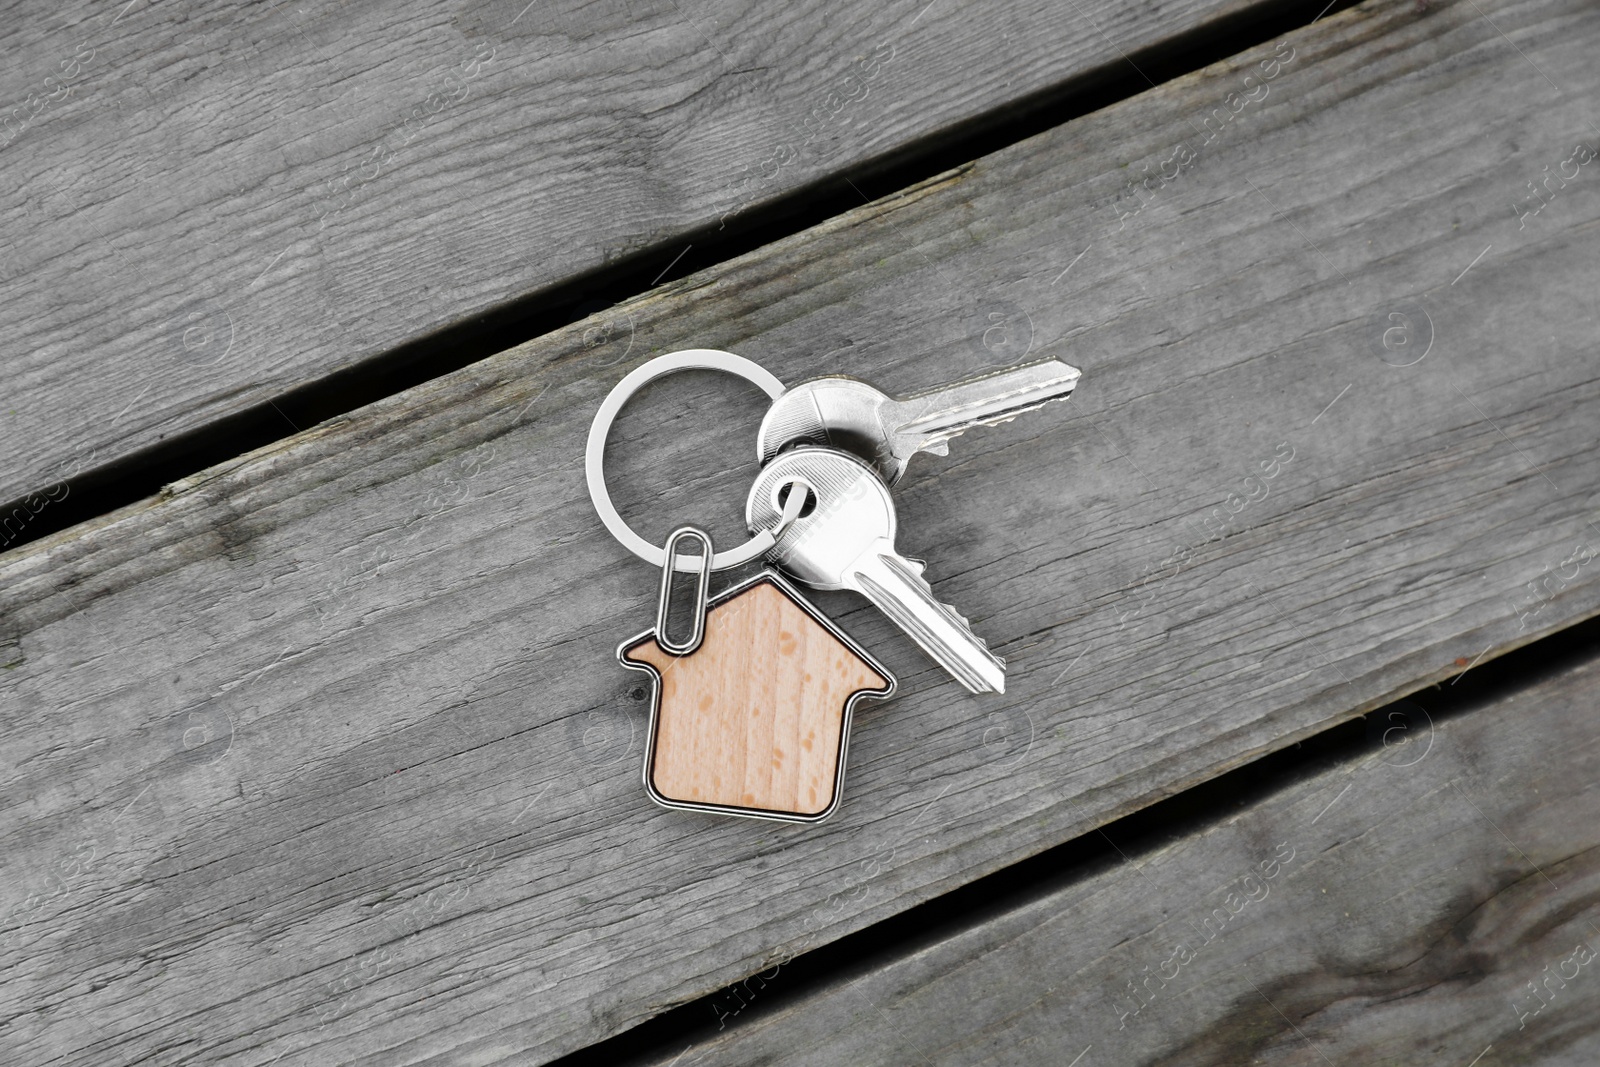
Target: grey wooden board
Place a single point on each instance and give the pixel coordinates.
(217, 207)
(1393, 910)
(342, 721)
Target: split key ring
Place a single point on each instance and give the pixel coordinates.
(600, 429)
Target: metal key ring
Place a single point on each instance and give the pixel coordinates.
(600, 429)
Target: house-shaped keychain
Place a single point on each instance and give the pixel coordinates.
(755, 720)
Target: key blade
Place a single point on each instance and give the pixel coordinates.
(896, 589)
(923, 422)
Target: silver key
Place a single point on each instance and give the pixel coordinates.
(847, 542)
(853, 415)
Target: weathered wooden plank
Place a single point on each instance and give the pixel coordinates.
(209, 209)
(1432, 901)
(341, 722)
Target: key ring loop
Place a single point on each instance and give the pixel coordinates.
(600, 429)
(702, 589)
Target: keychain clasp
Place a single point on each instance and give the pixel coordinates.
(701, 591)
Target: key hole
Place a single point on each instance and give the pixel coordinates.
(805, 509)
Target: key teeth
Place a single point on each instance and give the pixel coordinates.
(911, 571)
(915, 571)
(968, 624)
(916, 575)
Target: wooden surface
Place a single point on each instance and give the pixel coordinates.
(324, 756)
(208, 209)
(757, 718)
(1432, 900)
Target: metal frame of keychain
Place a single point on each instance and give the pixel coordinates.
(751, 713)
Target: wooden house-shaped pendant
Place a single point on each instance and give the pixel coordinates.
(756, 721)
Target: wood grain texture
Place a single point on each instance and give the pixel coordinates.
(757, 718)
(342, 723)
(1434, 900)
(208, 208)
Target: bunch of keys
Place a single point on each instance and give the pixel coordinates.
(751, 710)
